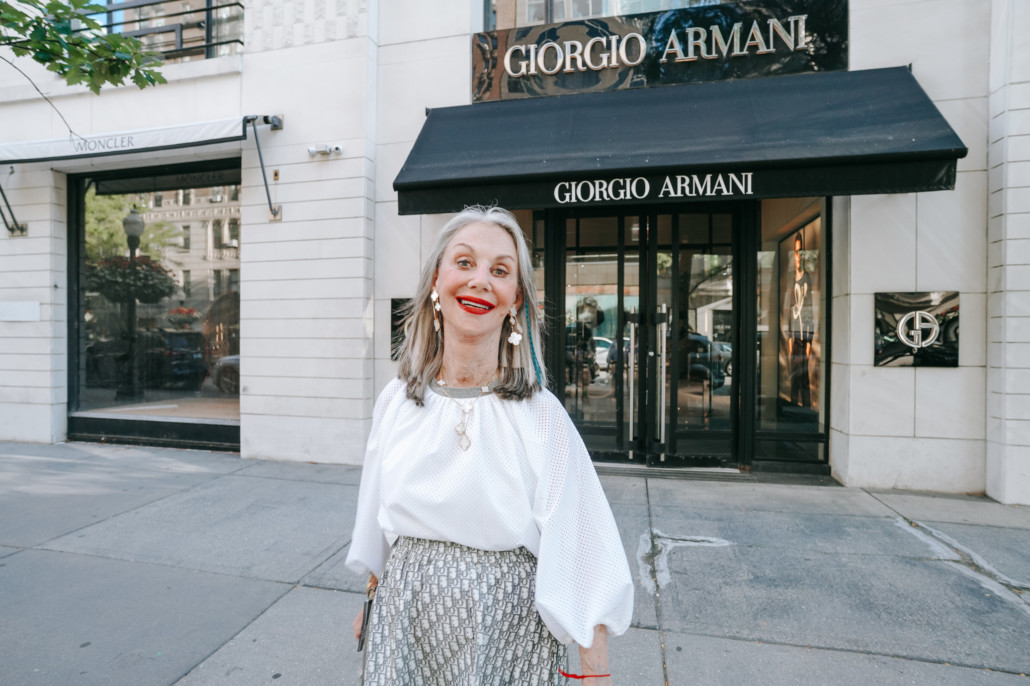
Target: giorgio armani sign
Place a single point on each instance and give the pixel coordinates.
(651, 189)
(711, 43)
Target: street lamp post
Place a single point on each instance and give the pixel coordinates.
(133, 226)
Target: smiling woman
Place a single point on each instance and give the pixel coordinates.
(476, 479)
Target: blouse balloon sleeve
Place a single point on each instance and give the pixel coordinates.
(583, 578)
(369, 545)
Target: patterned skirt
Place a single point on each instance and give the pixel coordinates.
(448, 615)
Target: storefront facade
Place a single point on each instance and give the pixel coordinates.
(744, 216)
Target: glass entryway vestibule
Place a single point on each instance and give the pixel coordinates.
(673, 340)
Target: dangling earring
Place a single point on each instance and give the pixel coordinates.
(515, 337)
(435, 297)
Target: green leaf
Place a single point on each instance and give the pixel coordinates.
(48, 32)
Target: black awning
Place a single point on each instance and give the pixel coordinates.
(832, 133)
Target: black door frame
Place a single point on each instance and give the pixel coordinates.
(746, 218)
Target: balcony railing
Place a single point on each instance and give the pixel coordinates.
(176, 30)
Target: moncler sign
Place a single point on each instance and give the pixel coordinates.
(710, 43)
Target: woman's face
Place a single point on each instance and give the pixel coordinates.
(478, 281)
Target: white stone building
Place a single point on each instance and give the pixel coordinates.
(352, 82)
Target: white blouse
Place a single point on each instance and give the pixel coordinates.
(526, 480)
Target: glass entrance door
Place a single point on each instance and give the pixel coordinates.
(650, 323)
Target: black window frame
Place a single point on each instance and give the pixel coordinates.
(186, 433)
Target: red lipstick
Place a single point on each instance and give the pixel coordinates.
(474, 305)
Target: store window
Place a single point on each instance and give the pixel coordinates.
(792, 330)
(159, 324)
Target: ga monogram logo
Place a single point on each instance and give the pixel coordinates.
(912, 326)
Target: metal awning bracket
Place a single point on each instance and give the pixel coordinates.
(7, 213)
(275, 122)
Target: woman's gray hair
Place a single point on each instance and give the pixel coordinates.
(421, 352)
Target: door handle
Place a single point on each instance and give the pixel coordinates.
(628, 365)
(663, 331)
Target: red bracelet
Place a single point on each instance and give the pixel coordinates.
(580, 676)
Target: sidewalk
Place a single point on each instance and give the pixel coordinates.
(140, 566)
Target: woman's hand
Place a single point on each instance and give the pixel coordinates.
(594, 660)
(356, 625)
(373, 582)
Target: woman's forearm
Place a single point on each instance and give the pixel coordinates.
(594, 660)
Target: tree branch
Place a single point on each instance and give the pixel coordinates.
(43, 95)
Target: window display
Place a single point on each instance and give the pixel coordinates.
(791, 318)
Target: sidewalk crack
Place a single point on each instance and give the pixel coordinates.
(647, 560)
(947, 549)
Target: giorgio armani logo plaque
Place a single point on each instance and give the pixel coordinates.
(916, 329)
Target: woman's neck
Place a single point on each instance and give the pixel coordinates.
(467, 365)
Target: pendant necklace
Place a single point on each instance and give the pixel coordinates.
(466, 412)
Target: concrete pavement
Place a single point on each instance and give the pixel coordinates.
(131, 565)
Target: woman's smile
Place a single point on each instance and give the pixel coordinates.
(474, 305)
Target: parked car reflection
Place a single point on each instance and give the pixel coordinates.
(725, 351)
(701, 359)
(166, 358)
(226, 374)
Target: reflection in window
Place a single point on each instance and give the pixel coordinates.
(216, 234)
(160, 328)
